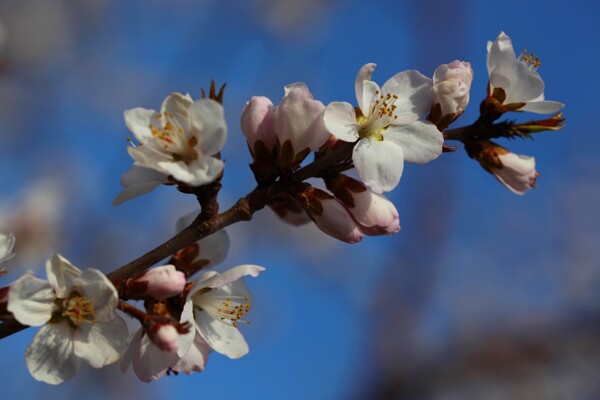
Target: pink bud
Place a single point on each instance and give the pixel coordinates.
(332, 217)
(164, 336)
(375, 214)
(258, 122)
(451, 86)
(517, 173)
(158, 283)
(299, 119)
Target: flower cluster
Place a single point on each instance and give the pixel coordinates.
(183, 320)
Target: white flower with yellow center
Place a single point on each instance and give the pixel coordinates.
(518, 77)
(219, 303)
(387, 125)
(79, 309)
(179, 142)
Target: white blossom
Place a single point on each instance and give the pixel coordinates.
(518, 77)
(7, 241)
(79, 310)
(388, 127)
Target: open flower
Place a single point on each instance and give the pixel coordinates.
(515, 82)
(219, 303)
(79, 309)
(179, 141)
(387, 126)
(6, 245)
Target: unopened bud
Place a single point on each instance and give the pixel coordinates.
(516, 172)
(164, 336)
(330, 216)
(157, 283)
(451, 87)
(258, 123)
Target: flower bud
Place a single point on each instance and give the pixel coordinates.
(157, 283)
(288, 209)
(451, 86)
(330, 216)
(164, 336)
(373, 212)
(258, 123)
(516, 172)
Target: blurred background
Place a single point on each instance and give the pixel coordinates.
(482, 295)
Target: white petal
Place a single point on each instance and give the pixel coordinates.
(223, 338)
(421, 141)
(148, 361)
(101, 343)
(199, 172)
(214, 248)
(138, 181)
(195, 358)
(379, 164)
(340, 120)
(31, 300)
(100, 290)
(214, 280)
(543, 107)
(50, 356)
(501, 50)
(185, 341)
(140, 121)
(364, 74)
(207, 122)
(62, 275)
(6, 245)
(177, 105)
(147, 156)
(414, 95)
(519, 82)
(371, 90)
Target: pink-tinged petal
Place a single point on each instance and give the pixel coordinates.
(195, 358)
(62, 275)
(421, 141)
(379, 164)
(140, 121)
(337, 222)
(414, 96)
(500, 51)
(207, 124)
(518, 81)
(223, 338)
(364, 74)
(258, 122)
(31, 300)
(101, 343)
(543, 107)
(517, 173)
(375, 214)
(132, 349)
(299, 119)
(100, 290)
(340, 120)
(139, 181)
(50, 356)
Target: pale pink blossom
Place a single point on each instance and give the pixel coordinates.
(258, 122)
(165, 336)
(158, 283)
(517, 172)
(451, 87)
